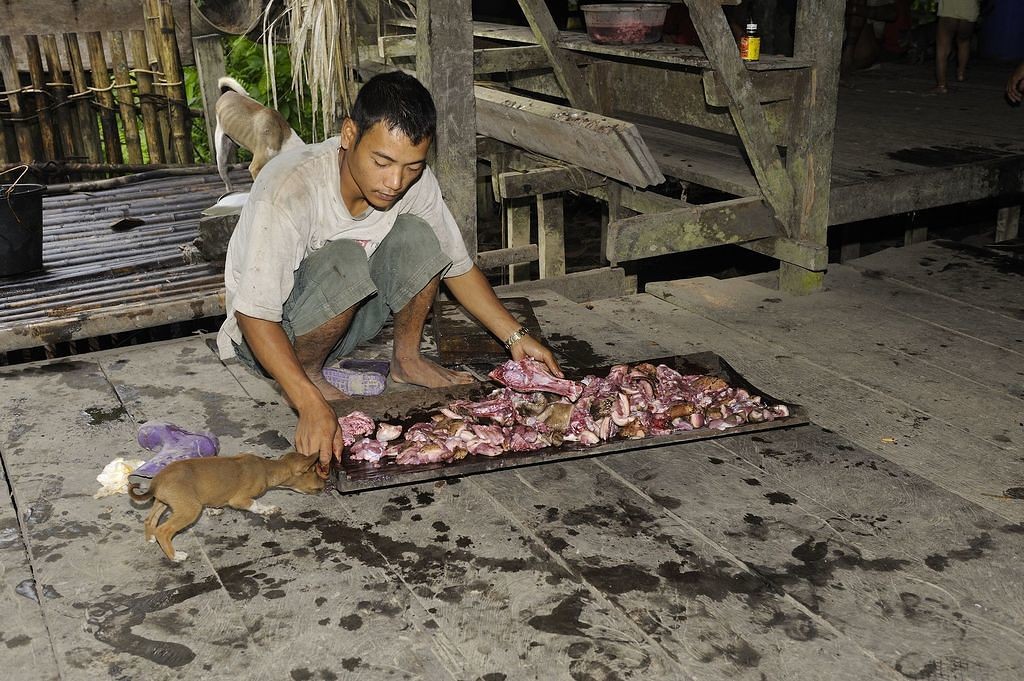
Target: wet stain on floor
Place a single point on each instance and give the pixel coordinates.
(620, 579)
(271, 439)
(577, 354)
(976, 548)
(564, 619)
(779, 498)
(819, 565)
(715, 581)
(112, 622)
(100, 415)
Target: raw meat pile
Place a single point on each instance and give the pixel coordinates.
(537, 410)
(625, 33)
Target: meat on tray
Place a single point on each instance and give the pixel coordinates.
(528, 375)
(536, 410)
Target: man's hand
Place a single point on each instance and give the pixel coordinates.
(476, 295)
(318, 433)
(529, 346)
(1013, 86)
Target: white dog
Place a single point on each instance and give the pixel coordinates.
(244, 122)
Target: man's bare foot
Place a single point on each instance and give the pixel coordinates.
(326, 389)
(421, 371)
(939, 90)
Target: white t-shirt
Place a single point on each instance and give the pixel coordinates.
(294, 208)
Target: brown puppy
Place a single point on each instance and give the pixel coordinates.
(187, 486)
(242, 121)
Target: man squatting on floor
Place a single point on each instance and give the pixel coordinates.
(336, 237)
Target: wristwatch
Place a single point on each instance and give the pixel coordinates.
(516, 336)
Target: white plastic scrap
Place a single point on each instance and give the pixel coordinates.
(114, 477)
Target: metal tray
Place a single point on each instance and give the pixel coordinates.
(355, 476)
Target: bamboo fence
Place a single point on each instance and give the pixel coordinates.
(132, 111)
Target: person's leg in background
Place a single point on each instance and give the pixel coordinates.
(856, 19)
(945, 30)
(964, 31)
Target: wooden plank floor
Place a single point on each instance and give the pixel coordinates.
(884, 541)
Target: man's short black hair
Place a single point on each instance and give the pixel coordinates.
(400, 102)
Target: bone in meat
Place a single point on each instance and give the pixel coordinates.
(529, 375)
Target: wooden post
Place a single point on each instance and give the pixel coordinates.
(915, 235)
(1007, 223)
(849, 249)
(209, 51)
(613, 213)
(484, 201)
(38, 76)
(125, 98)
(55, 72)
(517, 214)
(3, 142)
(745, 109)
(102, 82)
(150, 118)
(12, 83)
(83, 98)
(819, 37)
(550, 235)
(566, 72)
(445, 67)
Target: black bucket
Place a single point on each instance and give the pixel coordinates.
(21, 228)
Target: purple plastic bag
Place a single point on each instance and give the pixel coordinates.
(170, 443)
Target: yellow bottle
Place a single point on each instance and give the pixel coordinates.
(750, 44)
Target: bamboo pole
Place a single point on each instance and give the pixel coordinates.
(55, 73)
(126, 295)
(150, 120)
(126, 179)
(160, 18)
(101, 81)
(101, 252)
(86, 120)
(57, 167)
(69, 276)
(163, 111)
(123, 88)
(36, 73)
(151, 10)
(180, 113)
(12, 83)
(39, 299)
(150, 294)
(104, 256)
